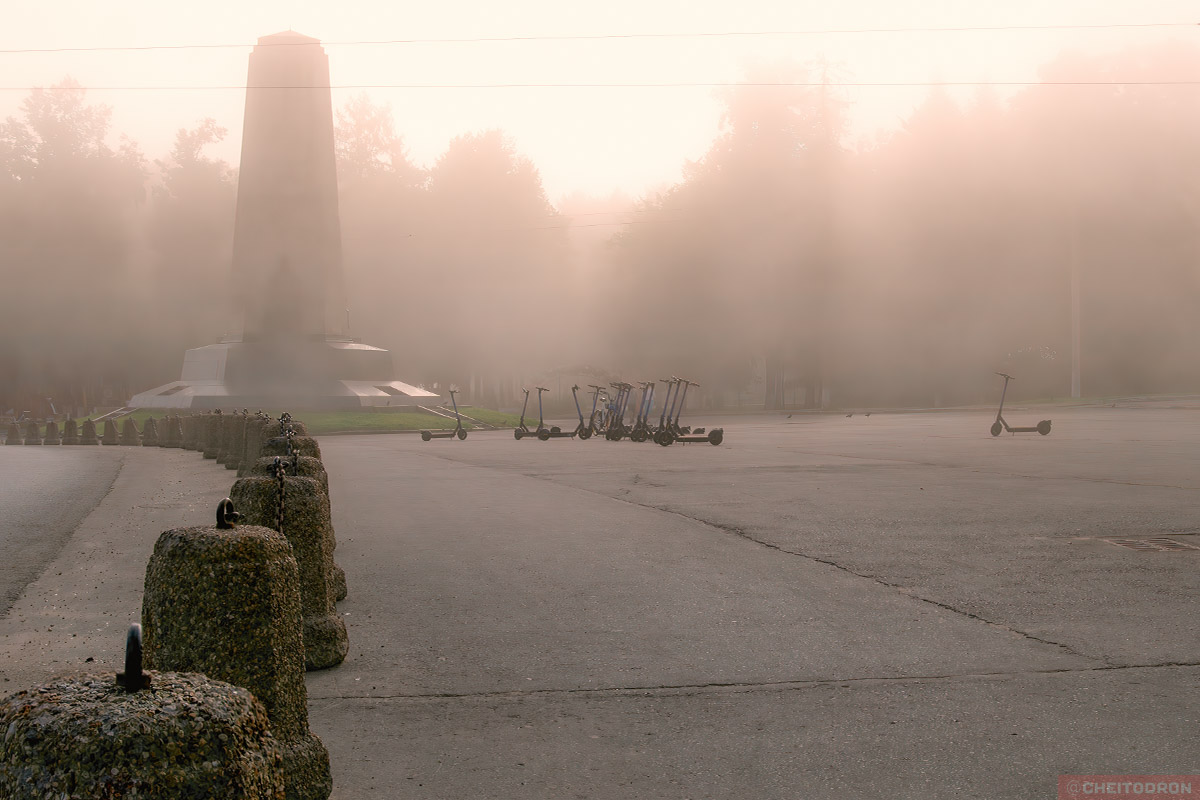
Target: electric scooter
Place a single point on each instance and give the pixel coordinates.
(1001, 424)
(616, 429)
(641, 424)
(458, 431)
(593, 426)
(544, 433)
(672, 432)
(585, 429)
(522, 430)
(664, 417)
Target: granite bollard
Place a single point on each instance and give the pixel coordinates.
(276, 427)
(234, 440)
(13, 436)
(278, 446)
(309, 467)
(226, 602)
(297, 467)
(225, 436)
(210, 439)
(190, 738)
(252, 443)
(33, 433)
(111, 437)
(307, 526)
(191, 432)
(89, 433)
(129, 434)
(149, 433)
(52, 435)
(172, 433)
(70, 432)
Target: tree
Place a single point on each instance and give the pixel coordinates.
(383, 202)
(68, 222)
(190, 230)
(367, 145)
(741, 267)
(497, 246)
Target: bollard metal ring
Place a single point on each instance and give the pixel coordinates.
(227, 517)
(133, 679)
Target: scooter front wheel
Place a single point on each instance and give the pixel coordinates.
(543, 435)
(518, 433)
(997, 427)
(462, 434)
(585, 433)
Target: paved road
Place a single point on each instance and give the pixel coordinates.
(45, 492)
(893, 606)
(884, 606)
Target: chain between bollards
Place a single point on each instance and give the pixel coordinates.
(280, 471)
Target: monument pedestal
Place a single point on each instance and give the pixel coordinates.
(316, 374)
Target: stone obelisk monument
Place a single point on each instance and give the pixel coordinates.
(291, 346)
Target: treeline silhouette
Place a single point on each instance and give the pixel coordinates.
(786, 268)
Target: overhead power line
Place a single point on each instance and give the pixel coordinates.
(619, 36)
(664, 85)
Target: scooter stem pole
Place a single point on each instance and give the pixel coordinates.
(541, 421)
(673, 417)
(683, 402)
(662, 418)
(578, 410)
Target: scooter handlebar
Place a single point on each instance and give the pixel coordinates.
(1003, 375)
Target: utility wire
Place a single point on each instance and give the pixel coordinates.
(618, 36)
(665, 85)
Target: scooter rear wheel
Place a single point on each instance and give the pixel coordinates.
(426, 436)
(997, 427)
(1044, 427)
(716, 436)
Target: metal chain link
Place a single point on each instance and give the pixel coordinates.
(289, 434)
(280, 471)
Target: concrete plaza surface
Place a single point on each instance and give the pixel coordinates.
(892, 606)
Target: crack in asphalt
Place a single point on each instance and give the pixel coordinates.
(907, 592)
(686, 689)
(739, 532)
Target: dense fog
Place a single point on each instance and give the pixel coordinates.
(789, 267)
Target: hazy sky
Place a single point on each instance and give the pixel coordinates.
(596, 139)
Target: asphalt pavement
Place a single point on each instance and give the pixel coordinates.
(890, 606)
